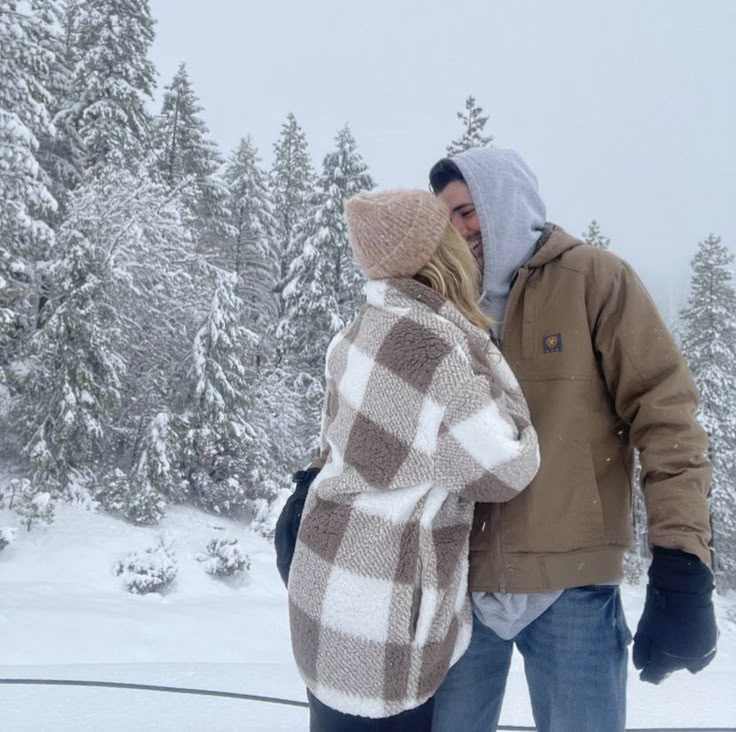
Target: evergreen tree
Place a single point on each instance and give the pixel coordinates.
(473, 124)
(63, 153)
(159, 285)
(27, 203)
(50, 34)
(325, 286)
(155, 473)
(594, 238)
(74, 375)
(107, 355)
(189, 161)
(219, 437)
(709, 331)
(276, 417)
(292, 180)
(111, 82)
(253, 258)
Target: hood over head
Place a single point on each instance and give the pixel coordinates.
(511, 214)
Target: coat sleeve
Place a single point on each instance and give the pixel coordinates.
(487, 448)
(654, 394)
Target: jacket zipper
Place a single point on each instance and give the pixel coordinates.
(517, 285)
(499, 545)
(522, 274)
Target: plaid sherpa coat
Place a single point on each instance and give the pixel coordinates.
(422, 418)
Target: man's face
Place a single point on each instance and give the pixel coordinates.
(456, 197)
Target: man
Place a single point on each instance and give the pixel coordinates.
(601, 376)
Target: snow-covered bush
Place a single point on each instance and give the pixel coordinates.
(7, 536)
(152, 570)
(224, 558)
(32, 503)
(134, 498)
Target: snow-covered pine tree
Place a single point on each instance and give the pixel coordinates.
(709, 337)
(594, 238)
(49, 33)
(271, 412)
(275, 415)
(63, 153)
(325, 286)
(111, 82)
(155, 473)
(292, 180)
(255, 262)
(473, 124)
(278, 398)
(106, 359)
(27, 203)
(189, 161)
(252, 254)
(74, 370)
(218, 437)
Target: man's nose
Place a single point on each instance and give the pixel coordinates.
(466, 228)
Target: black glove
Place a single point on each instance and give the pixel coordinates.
(678, 626)
(289, 519)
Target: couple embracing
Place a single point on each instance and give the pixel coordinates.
(474, 487)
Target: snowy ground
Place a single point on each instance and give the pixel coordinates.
(64, 615)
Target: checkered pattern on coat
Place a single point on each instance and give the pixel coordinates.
(422, 417)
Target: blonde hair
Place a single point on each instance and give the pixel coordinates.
(454, 273)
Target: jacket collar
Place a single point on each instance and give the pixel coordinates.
(552, 243)
(404, 295)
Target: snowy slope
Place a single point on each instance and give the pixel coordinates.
(63, 614)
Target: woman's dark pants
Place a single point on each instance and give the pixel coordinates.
(325, 719)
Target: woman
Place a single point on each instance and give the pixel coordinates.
(422, 417)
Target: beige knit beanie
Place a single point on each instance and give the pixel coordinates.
(394, 233)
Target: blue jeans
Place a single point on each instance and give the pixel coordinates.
(575, 657)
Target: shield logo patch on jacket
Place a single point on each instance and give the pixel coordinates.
(552, 343)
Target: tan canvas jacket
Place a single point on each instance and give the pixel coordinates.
(601, 375)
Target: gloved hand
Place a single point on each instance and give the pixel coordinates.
(678, 626)
(287, 525)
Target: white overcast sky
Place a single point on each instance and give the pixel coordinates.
(626, 109)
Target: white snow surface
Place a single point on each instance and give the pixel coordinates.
(65, 615)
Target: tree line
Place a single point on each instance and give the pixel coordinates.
(165, 310)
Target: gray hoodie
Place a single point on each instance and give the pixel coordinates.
(511, 215)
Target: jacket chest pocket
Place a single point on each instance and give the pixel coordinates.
(546, 340)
